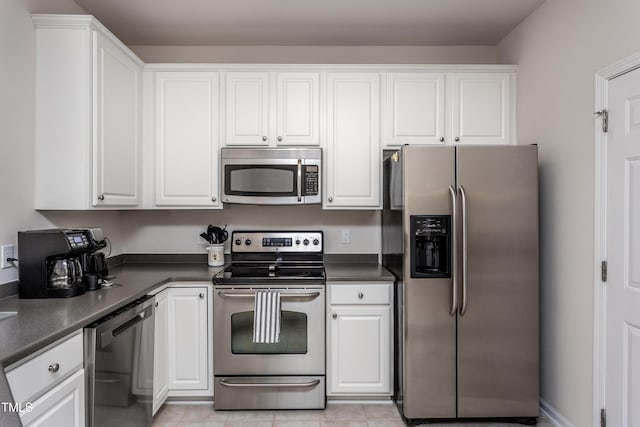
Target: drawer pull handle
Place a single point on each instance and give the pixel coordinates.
(54, 368)
(360, 295)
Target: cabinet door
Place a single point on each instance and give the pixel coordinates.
(353, 141)
(298, 109)
(414, 109)
(188, 338)
(62, 406)
(481, 108)
(160, 351)
(187, 139)
(117, 93)
(247, 108)
(360, 356)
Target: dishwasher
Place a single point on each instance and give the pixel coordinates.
(119, 366)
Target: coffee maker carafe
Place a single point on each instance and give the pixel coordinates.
(51, 262)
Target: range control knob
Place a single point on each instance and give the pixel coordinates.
(247, 242)
(238, 242)
(297, 241)
(316, 242)
(305, 242)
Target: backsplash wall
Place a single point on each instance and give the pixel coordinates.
(178, 231)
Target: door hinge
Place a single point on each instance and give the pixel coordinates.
(605, 119)
(603, 417)
(603, 271)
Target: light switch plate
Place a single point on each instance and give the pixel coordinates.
(6, 251)
(346, 236)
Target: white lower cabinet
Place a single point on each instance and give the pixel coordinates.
(160, 352)
(189, 340)
(359, 342)
(49, 385)
(63, 406)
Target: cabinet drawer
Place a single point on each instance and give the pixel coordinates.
(39, 374)
(360, 294)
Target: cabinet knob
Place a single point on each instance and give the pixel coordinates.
(457, 138)
(156, 304)
(201, 295)
(279, 138)
(55, 367)
(335, 316)
(101, 197)
(213, 199)
(442, 139)
(264, 138)
(360, 295)
(330, 199)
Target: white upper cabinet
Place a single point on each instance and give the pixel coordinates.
(247, 108)
(482, 111)
(272, 109)
(117, 137)
(186, 149)
(352, 152)
(88, 104)
(415, 109)
(298, 109)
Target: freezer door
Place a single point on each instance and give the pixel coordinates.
(429, 329)
(498, 311)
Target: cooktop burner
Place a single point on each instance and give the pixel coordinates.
(274, 255)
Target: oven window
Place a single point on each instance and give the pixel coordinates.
(261, 180)
(293, 334)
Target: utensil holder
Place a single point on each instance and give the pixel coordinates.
(215, 254)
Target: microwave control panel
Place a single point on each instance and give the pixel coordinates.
(311, 176)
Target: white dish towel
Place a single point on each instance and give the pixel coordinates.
(266, 317)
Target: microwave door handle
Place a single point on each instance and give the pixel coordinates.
(299, 180)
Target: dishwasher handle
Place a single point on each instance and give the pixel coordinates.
(126, 321)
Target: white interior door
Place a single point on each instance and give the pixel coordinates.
(623, 253)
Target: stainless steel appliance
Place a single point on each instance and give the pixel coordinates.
(289, 374)
(271, 176)
(119, 366)
(460, 231)
(50, 262)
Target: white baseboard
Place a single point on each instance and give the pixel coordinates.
(552, 414)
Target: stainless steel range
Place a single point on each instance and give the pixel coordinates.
(290, 372)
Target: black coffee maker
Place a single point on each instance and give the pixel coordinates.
(94, 263)
(51, 262)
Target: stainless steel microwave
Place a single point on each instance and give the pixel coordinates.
(271, 176)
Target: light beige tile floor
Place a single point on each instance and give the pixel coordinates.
(336, 415)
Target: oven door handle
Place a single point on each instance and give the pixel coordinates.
(282, 294)
(271, 384)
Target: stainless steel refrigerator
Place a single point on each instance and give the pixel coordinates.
(460, 232)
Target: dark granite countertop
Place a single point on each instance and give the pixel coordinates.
(40, 322)
(345, 272)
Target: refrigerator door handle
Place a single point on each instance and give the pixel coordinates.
(463, 307)
(454, 267)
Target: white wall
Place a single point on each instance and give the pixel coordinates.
(16, 132)
(558, 49)
(178, 231)
(320, 54)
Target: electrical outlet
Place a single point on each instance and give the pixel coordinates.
(6, 251)
(346, 236)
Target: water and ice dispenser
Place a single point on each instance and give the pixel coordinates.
(431, 246)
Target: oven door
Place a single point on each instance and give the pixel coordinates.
(300, 350)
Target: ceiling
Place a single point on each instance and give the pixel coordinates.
(312, 23)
